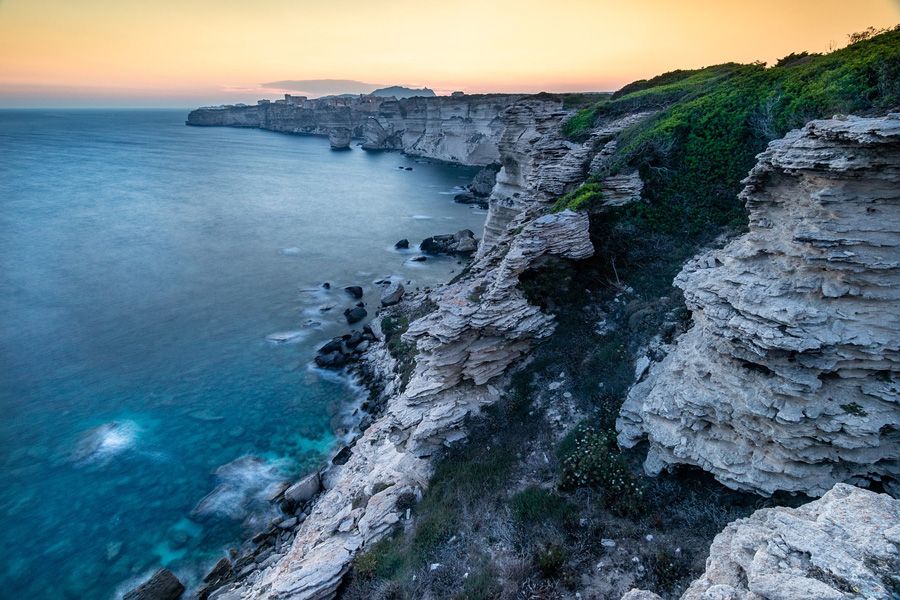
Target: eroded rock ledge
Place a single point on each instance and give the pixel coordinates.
(845, 545)
(788, 379)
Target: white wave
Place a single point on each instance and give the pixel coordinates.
(420, 217)
(287, 337)
(292, 251)
(106, 441)
(243, 486)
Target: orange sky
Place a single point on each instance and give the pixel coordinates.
(187, 52)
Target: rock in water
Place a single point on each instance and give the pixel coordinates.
(162, 586)
(461, 242)
(355, 291)
(842, 546)
(355, 315)
(788, 378)
(392, 294)
(339, 138)
(402, 244)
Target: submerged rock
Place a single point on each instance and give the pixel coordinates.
(787, 379)
(162, 586)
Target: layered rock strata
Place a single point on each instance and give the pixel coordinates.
(844, 546)
(539, 164)
(462, 129)
(788, 379)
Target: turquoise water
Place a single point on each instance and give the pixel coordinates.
(143, 266)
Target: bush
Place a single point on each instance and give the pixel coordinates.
(710, 123)
(667, 569)
(536, 505)
(550, 560)
(579, 198)
(381, 560)
(590, 461)
(481, 585)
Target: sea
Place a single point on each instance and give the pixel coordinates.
(161, 300)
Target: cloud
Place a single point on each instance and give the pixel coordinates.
(323, 87)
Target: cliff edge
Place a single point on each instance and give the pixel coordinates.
(788, 378)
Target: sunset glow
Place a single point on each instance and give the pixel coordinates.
(175, 53)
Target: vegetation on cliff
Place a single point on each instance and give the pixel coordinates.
(710, 123)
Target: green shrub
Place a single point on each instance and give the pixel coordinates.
(666, 569)
(537, 505)
(580, 123)
(550, 560)
(382, 560)
(710, 123)
(431, 530)
(590, 461)
(578, 198)
(481, 585)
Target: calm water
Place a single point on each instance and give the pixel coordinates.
(143, 264)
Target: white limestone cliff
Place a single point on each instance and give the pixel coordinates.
(788, 378)
(844, 546)
(539, 164)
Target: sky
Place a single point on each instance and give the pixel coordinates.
(182, 53)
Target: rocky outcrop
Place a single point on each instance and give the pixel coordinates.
(463, 130)
(843, 546)
(483, 322)
(539, 165)
(339, 138)
(461, 242)
(478, 191)
(788, 378)
(162, 586)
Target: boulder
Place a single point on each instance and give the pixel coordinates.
(304, 490)
(461, 242)
(342, 456)
(331, 360)
(162, 586)
(355, 291)
(220, 572)
(402, 244)
(335, 345)
(392, 294)
(484, 181)
(355, 314)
